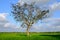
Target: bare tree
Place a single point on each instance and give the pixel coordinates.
(28, 14)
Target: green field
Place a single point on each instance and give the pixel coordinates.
(33, 36)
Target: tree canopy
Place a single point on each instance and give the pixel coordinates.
(28, 14)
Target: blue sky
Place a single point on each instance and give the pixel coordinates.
(10, 25)
(6, 7)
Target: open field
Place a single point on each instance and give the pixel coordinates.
(33, 36)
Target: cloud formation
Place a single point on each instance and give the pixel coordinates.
(44, 3)
(55, 6)
(2, 19)
(4, 23)
(51, 24)
(7, 26)
(30, 1)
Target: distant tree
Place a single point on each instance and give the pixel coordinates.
(28, 14)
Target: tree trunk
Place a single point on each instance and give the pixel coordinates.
(27, 31)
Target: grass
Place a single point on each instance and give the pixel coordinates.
(33, 36)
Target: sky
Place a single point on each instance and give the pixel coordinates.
(8, 24)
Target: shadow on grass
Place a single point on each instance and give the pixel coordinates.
(57, 36)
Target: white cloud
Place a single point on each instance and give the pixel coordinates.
(2, 16)
(55, 6)
(51, 24)
(51, 19)
(6, 26)
(30, 1)
(11, 25)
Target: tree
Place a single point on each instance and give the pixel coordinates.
(28, 14)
